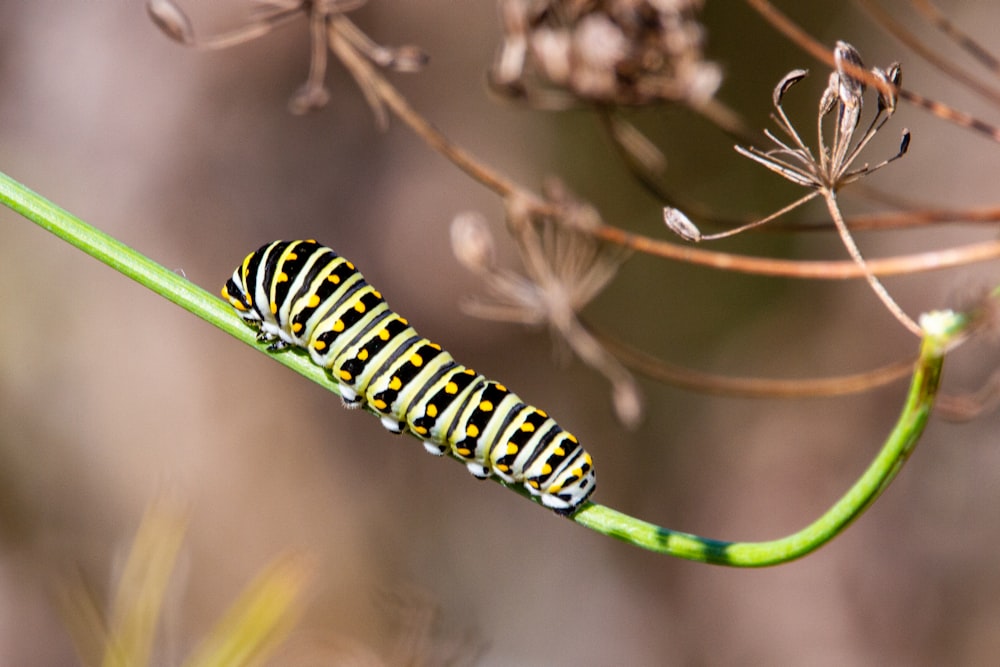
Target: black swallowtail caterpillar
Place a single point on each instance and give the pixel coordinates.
(302, 294)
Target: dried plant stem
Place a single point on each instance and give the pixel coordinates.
(362, 70)
(941, 22)
(808, 44)
(931, 55)
(852, 248)
(752, 387)
(905, 219)
(815, 269)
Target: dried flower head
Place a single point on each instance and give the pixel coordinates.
(834, 168)
(565, 268)
(327, 25)
(557, 53)
(845, 93)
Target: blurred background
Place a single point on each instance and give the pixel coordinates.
(110, 396)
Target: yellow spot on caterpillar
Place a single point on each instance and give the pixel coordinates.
(586, 457)
(533, 484)
(502, 468)
(319, 346)
(463, 451)
(338, 326)
(542, 413)
(527, 427)
(501, 387)
(416, 360)
(546, 469)
(377, 294)
(577, 473)
(383, 334)
(555, 488)
(435, 346)
(359, 306)
(344, 375)
(363, 355)
(314, 300)
(297, 327)
(405, 322)
(420, 430)
(559, 451)
(282, 277)
(486, 406)
(572, 438)
(274, 308)
(334, 278)
(451, 388)
(395, 383)
(469, 371)
(378, 404)
(349, 264)
(511, 449)
(472, 431)
(432, 411)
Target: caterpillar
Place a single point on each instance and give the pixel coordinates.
(302, 294)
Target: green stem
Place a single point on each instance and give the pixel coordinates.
(144, 271)
(939, 331)
(897, 448)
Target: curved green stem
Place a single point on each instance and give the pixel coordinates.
(939, 331)
(871, 484)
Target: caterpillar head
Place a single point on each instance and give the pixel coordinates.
(235, 293)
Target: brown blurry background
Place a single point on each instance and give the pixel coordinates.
(110, 396)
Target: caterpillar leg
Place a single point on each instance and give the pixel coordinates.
(393, 425)
(554, 502)
(478, 469)
(348, 396)
(435, 448)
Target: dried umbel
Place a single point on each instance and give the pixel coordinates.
(329, 30)
(832, 165)
(559, 53)
(565, 268)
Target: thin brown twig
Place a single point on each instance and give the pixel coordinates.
(814, 48)
(934, 16)
(362, 69)
(752, 387)
(811, 269)
(915, 44)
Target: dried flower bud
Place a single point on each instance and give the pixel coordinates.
(169, 18)
(851, 87)
(787, 82)
(893, 78)
(472, 242)
(831, 94)
(308, 98)
(680, 224)
(626, 397)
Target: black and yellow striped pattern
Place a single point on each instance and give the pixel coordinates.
(302, 294)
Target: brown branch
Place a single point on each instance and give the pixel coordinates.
(753, 387)
(811, 269)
